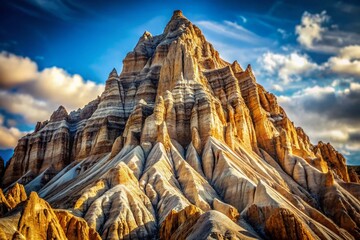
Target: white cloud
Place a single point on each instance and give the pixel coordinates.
(32, 109)
(327, 114)
(277, 87)
(347, 61)
(9, 136)
(354, 86)
(15, 70)
(287, 68)
(310, 30)
(294, 66)
(71, 91)
(39, 93)
(316, 91)
(315, 34)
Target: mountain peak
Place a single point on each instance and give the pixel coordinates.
(177, 21)
(146, 35)
(113, 73)
(180, 130)
(177, 13)
(59, 114)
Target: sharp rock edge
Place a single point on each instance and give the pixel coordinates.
(180, 145)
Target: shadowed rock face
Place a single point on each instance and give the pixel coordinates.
(183, 144)
(334, 159)
(2, 167)
(14, 196)
(35, 219)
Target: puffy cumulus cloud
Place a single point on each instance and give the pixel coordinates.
(26, 105)
(277, 87)
(347, 61)
(15, 70)
(315, 34)
(311, 29)
(287, 67)
(39, 93)
(328, 114)
(59, 87)
(295, 66)
(9, 136)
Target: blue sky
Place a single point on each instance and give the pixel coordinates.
(306, 52)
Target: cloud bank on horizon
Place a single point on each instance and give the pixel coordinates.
(308, 55)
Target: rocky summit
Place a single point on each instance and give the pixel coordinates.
(180, 145)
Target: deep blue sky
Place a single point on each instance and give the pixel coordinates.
(89, 38)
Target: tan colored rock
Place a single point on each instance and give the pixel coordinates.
(226, 209)
(59, 115)
(15, 195)
(4, 205)
(335, 160)
(211, 225)
(175, 219)
(3, 235)
(35, 219)
(283, 224)
(116, 206)
(117, 146)
(75, 227)
(179, 129)
(195, 140)
(342, 208)
(353, 172)
(38, 220)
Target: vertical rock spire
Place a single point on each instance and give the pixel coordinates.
(113, 73)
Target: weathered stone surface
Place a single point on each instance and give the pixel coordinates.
(334, 159)
(35, 219)
(38, 220)
(15, 195)
(75, 227)
(226, 209)
(4, 205)
(174, 220)
(354, 173)
(212, 225)
(178, 134)
(283, 224)
(192, 223)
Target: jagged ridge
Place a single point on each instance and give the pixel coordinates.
(180, 127)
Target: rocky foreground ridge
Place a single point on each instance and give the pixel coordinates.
(180, 145)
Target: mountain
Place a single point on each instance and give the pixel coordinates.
(182, 145)
(33, 218)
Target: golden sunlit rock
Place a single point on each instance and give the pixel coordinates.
(180, 145)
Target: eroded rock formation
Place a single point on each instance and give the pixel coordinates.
(182, 145)
(35, 219)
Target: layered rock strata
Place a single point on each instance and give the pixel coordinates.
(184, 145)
(35, 219)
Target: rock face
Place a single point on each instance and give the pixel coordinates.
(38, 221)
(35, 219)
(2, 167)
(181, 145)
(283, 224)
(14, 196)
(354, 173)
(75, 227)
